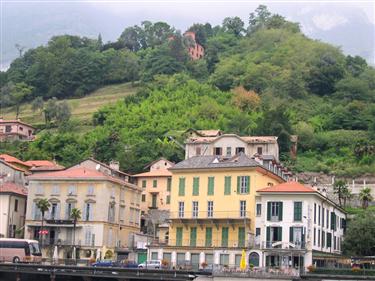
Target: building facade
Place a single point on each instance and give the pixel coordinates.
(195, 52)
(228, 145)
(296, 226)
(11, 130)
(110, 210)
(212, 215)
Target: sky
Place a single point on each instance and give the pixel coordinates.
(349, 24)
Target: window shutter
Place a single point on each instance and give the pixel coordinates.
(238, 184)
(84, 212)
(280, 233)
(210, 190)
(268, 211)
(332, 220)
(195, 186)
(280, 211)
(91, 212)
(268, 234)
(248, 184)
(291, 234)
(181, 187)
(58, 211)
(227, 185)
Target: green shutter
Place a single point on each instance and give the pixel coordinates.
(179, 236)
(238, 184)
(280, 211)
(268, 234)
(227, 185)
(181, 187)
(268, 211)
(280, 233)
(224, 237)
(241, 237)
(168, 199)
(155, 183)
(143, 183)
(248, 184)
(193, 236)
(196, 186)
(329, 240)
(332, 220)
(297, 211)
(211, 182)
(291, 234)
(169, 184)
(208, 236)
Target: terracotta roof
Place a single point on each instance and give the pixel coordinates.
(155, 173)
(104, 165)
(11, 159)
(47, 168)
(247, 139)
(209, 133)
(290, 186)
(78, 173)
(14, 167)
(10, 187)
(38, 163)
(16, 121)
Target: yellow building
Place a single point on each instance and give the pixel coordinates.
(110, 210)
(213, 209)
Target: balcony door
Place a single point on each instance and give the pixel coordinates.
(154, 200)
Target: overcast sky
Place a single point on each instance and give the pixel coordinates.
(349, 24)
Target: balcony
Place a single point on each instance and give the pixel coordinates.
(59, 222)
(279, 245)
(56, 241)
(204, 217)
(198, 243)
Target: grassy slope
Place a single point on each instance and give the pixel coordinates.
(82, 109)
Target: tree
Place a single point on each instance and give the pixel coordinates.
(346, 195)
(360, 235)
(339, 188)
(245, 100)
(43, 205)
(50, 110)
(63, 112)
(37, 104)
(132, 37)
(19, 92)
(233, 25)
(366, 197)
(258, 19)
(75, 215)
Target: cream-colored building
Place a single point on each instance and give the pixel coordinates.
(110, 210)
(228, 145)
(12, 209)
(156, 186)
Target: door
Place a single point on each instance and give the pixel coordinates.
(52, 237)
(297, 235)
(154, 198)
(195, 261)
(142, 257)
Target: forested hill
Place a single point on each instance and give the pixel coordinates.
(264, 77)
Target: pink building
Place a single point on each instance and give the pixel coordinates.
(196, 52)
(15, 130)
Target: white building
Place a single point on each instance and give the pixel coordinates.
(296, 226)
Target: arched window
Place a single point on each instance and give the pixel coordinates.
(254, 259)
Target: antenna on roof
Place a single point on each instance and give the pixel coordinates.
(97, 167)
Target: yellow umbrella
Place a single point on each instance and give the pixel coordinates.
(243, 260)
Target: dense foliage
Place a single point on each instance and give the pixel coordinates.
(265, 78)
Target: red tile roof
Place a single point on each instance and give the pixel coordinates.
(11, 159)
(155, 173)
(10, 187)
(77, 173)
(38, 163)
(290, 186)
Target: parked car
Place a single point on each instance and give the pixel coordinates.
(152, 264)
(104, 263)
(128, 264)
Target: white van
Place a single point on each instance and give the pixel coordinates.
(152, 264)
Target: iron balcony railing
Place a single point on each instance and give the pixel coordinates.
(214, 243)
(210, 215)
(297, 245)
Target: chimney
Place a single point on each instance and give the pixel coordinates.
(114, 165)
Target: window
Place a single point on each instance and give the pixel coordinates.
(218, 151)
(257, 231)
(243, 184)
(210, 189)
(237, 260)
(122, 213)
(88, 236)
(314, 236)
(181, 187)
(181, 209)
(319, 215)
(87, 212)
(259, 150)
(169, 184)
(8, 128)
(154, 255)
(193, 236)
(314, 212)
(333, 221)
(318, 237)
(241, 237)
(144, 184)
(327, 216)
(198, 151)
(196, 186)
(229, 151)
(111, 212)
(227, 185)
(168, 199)
(208, 242)
(240, 149)
(274, 234)
(69, 207)
(54, 211)
(297, 211)
(72, 190)
(329, 240)
(259, 210)
(210, 209)
(323, 217)
(179, 236)
(55, 190)
(16, 205)
(224, 259)
(21, 128)
(274, 211)
(296, 236)
(195, 209)
(224, 237)
(323, 239)
(242, 208)
(143, 197)
(155, 183)
(39, 190)
(90, 190)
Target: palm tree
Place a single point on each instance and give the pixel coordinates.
(75, 215)
(43, 205)
(338, 188)
(346, 195)
(365, 196)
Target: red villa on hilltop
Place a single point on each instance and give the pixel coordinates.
(11, 130)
